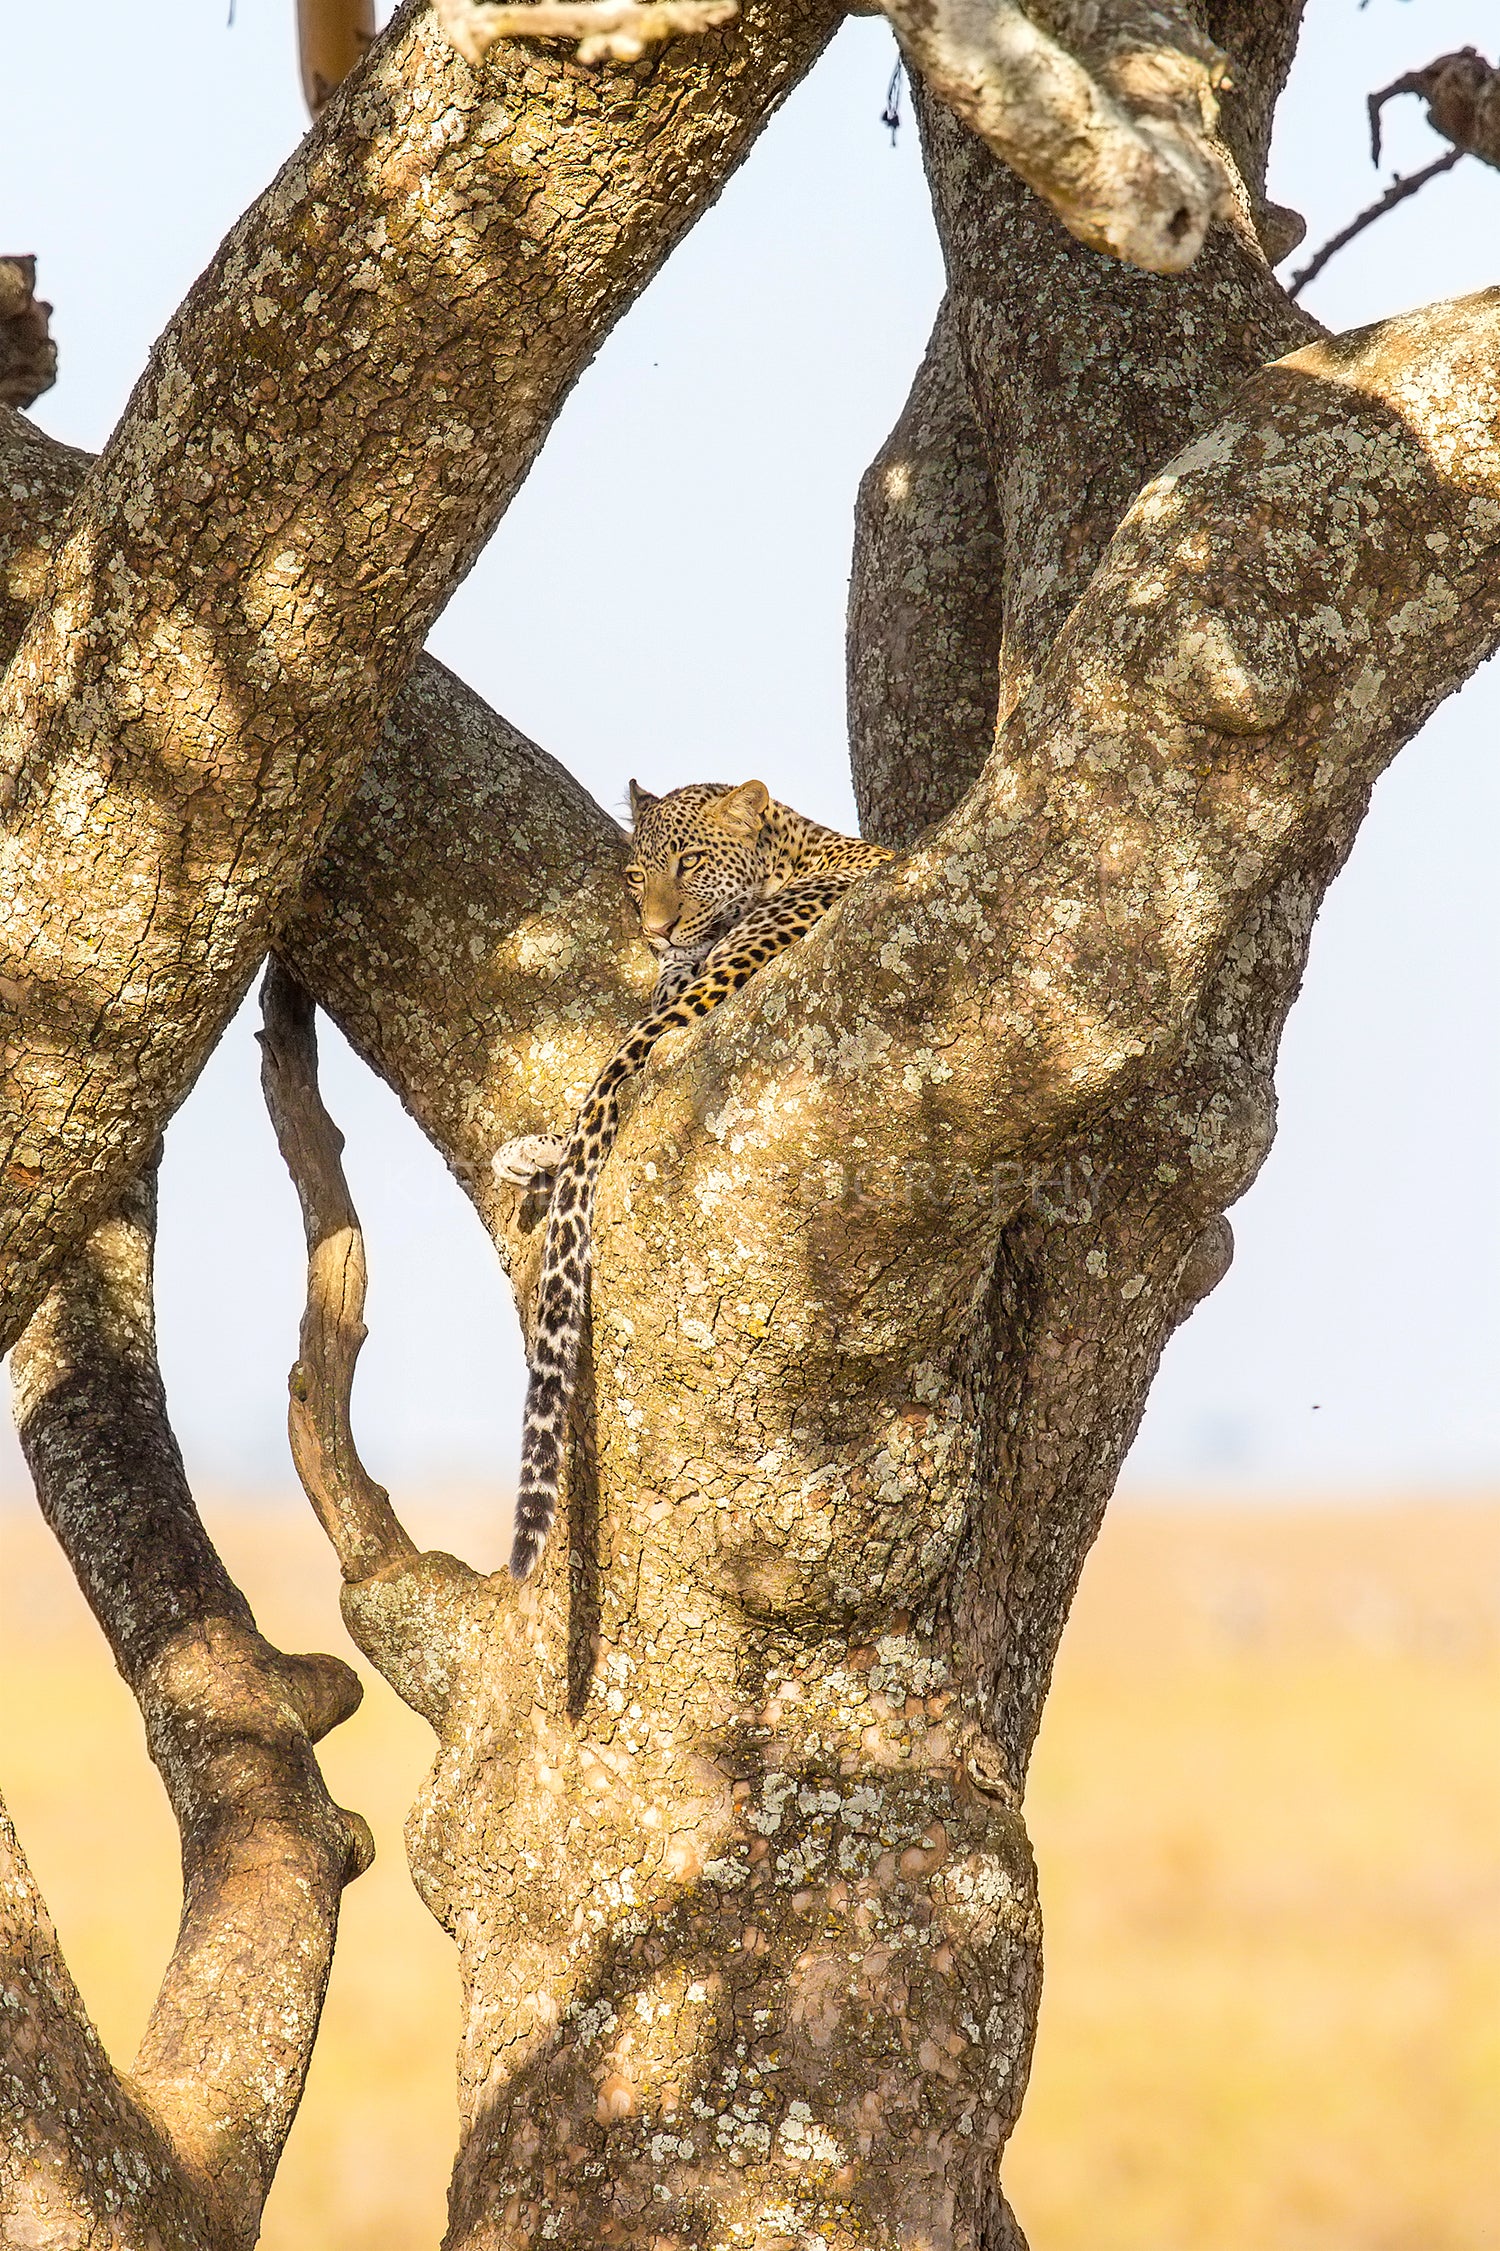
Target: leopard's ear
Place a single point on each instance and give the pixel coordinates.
(641, 800)
(744, 809)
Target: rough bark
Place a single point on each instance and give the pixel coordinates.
(323, 439)
(926, 603)
(724, 1819)
(1107, 108)
(725, 1813)
(191, 2138)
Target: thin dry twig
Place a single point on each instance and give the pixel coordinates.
(354, 1511)
(1462, 93)
(1397, 192)
(606, 30)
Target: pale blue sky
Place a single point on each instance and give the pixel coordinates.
(666, 599)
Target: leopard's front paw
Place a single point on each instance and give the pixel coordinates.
(530, 1161)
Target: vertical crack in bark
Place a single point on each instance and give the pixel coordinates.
(230, 1723)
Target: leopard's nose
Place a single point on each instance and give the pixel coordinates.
(657, 928)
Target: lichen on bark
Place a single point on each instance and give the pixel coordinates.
(726, 1811)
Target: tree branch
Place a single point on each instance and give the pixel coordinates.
(462, 844)
(1110, 113)
(1398, 192)
(606, 30)
(353, 1510)
(230, 1722)
(1462, 93)
(927, 596)
(1198, 747)
(412, 1613)
(326, 436)
(1463, 104)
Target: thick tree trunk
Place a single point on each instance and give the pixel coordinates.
(725, 1818)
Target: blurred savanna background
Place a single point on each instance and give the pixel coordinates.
(1267, 1822)
(1266, 1797)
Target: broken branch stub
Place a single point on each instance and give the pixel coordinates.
(1111, 114)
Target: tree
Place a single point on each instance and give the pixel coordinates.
(1150, 582)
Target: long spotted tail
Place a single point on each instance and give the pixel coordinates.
(567, 1253)
(561, 1302)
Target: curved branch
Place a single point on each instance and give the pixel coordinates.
(353, 1510)
(411, 1613)
(1462, 93)
(230, 1723)
(1199, 735)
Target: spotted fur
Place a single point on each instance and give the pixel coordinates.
(724, 879)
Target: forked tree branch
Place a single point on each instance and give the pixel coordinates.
(326, 436)
(230, 1723)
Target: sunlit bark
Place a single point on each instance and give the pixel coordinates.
(192, 2136)
(320, 445)
(726, 1815)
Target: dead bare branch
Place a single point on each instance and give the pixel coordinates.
(1462, 92)
(230, 1722)
(606, 30)
(1398, 192)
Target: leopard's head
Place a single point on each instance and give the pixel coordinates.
(696, 861)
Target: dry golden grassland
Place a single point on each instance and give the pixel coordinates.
(1266, 1812)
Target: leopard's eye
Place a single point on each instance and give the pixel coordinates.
(635, 877)
(688, 860)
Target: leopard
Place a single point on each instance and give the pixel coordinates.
(724, 878)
